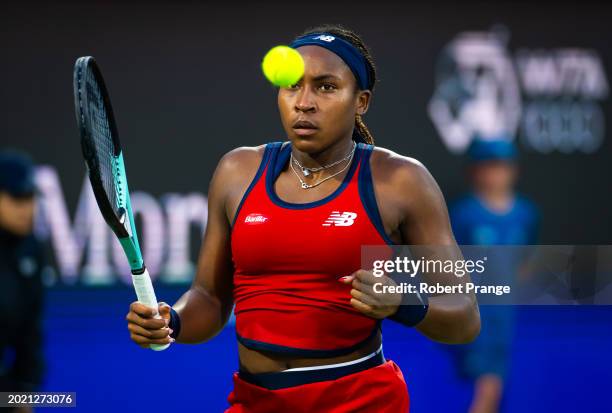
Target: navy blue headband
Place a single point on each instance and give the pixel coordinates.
(345, 50)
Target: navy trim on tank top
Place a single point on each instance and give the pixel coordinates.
(368, 198)
(279, 159)
(284, 380)
(307, 353)
(262, 166)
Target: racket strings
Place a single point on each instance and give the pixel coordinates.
(109, 167)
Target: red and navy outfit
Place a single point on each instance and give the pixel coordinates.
(288, 258)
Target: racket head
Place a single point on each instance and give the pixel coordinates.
(103, 155)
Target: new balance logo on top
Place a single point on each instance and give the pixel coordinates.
(337, 219)
(255, 219)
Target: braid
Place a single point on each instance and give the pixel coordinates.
(361, 133)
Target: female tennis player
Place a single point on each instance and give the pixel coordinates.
(283, 244)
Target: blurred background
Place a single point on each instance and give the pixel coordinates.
(186, 87)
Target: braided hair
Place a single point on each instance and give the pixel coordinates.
(361, 133)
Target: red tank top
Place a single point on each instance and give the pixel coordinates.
(288, 258)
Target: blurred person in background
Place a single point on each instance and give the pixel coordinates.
(21, 290)
(492, 213)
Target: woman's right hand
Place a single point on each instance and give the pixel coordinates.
(145, 329)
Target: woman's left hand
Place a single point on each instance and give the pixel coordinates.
(368, 296)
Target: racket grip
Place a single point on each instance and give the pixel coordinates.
(146, 295)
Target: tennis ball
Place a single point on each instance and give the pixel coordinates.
(283, 66)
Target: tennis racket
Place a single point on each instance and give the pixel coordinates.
(104, 159)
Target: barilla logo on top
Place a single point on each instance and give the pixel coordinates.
(255, 219)
(325, 38)
(340, 219)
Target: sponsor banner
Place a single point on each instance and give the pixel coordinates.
(548, 99)
(86, 251)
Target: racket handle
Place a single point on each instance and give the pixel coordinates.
(146, 295)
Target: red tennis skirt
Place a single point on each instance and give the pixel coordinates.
(379, 389)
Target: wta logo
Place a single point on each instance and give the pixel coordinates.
(549, 99)
(254, 219)
(337, 219)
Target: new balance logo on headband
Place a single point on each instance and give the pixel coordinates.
(325, 38)
(337, 219)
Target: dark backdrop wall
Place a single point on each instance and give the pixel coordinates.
(186, 85)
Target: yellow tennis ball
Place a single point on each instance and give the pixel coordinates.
(283, 66)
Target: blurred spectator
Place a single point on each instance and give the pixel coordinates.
(21, 291)
(491, 214)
